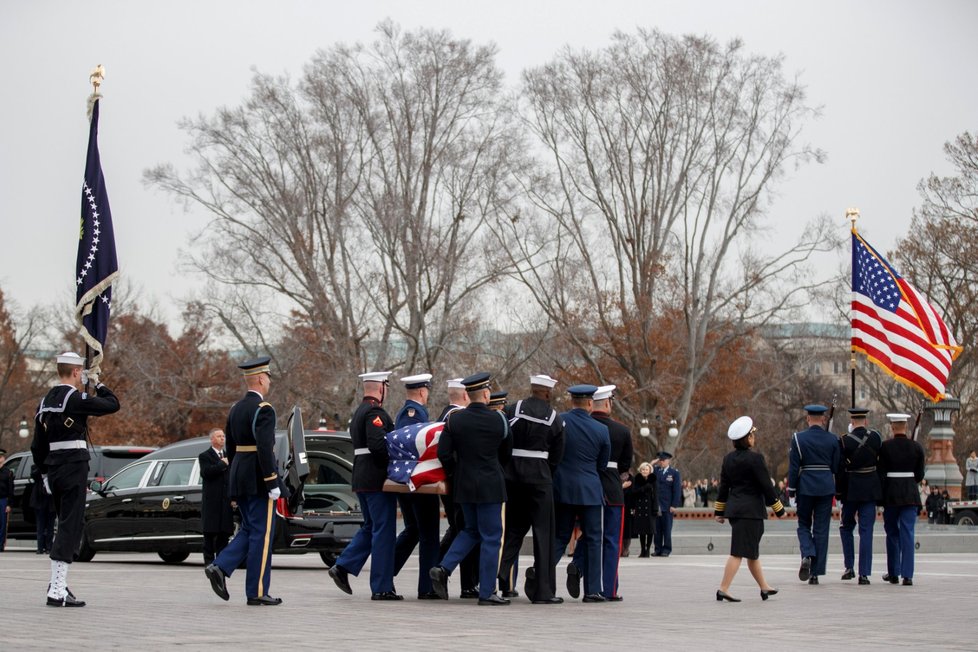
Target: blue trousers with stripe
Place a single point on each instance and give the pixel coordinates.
(375, 539)
(252, 544)
(899, 523)
(610, 552)
(483, 527)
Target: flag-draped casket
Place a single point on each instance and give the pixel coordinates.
(414, 464)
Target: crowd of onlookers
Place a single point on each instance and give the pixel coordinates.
(700, 493)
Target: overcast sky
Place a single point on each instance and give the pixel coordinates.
(896, 79)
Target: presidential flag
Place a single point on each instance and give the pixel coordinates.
(96, 266)
(895, 326)
(413, 452)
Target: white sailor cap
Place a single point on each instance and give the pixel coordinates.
(416, 381)
(543, 380)
(604, 391)
(375, 376)
(898, 417)
(740, 428)
(455, 383)
(69, 357)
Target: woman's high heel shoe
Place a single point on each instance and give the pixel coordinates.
(721, 596)
(769, 592)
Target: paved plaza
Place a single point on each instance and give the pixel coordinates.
(137, 602)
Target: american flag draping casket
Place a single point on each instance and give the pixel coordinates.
(413, 452)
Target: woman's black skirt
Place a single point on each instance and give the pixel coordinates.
(745, 537)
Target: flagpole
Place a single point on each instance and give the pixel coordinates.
(852, 214)
(95, 78)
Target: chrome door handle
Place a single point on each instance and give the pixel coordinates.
(127, 500)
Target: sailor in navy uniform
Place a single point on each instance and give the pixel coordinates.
(421, 512)
(614, 495)
(375, 539)
(254, 483)
(60, 452)
(669, 489)
(577, 487)
(475, 445)
(860, 490)
(813, 462)
(538, 447)
(901, 464)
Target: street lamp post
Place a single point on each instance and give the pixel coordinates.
(24, 432)
(673, 429)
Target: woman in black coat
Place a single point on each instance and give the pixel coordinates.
(645, 506)
(745, 490)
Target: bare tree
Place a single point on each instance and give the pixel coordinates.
(663, 155)
(20, 389)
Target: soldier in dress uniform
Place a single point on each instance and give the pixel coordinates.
(421, 512)
(375, 539)
(813, 462)
(60, 452)
(860, 490)
(577, 487)
(538, 446)
(475, 445)
(497, 401)
(216, 518)
(254, 484)
(614, 496)
(901, 465)
(669, 491)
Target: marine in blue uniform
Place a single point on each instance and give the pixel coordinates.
(375, 539)
(901, 464)
(421, 512)
(669, 487)
(614, 495)
(254, 483)
(474, 446)
(578, 493)
(60, 451)
(859, 488)
(813, 462)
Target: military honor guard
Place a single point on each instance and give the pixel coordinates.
(669, 491)
(538, 447)
(60, 451)
(497, 401)
(578, 493)
(813, 462)
(901, 465)
(474, 446)
(254, 483)
(375, 539)
(860, 489)
(216, 518)
(421, 512)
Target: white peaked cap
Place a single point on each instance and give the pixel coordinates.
(375, 376)
(898, 417)
(605, 391)
(455, 383)
(69, 357)
(740, 428)
(544, 380)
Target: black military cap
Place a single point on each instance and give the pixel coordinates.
(498, 398)
(582, 391)
(858, 412)
(477, 381)
(816, 409)
(664, 455)
(256, 366)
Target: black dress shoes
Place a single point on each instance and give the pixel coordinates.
(849, 574)
(806, 569)
(530, 585)
(68, 601)
(218, 581)
(907, 581)
(593, 597)
(439, 581)
(510, 594)
(892, 579)
(493, 600)
(721, 596)
(614, 598)
(264, 601)
(573, 580)
(767, 594)
(430, 595)
(386, 595)
(813, 579)
(550, 601)
(468, 594)
(341, 578)
(863, 580)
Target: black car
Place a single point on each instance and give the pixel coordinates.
(153, 505)
(105, 461)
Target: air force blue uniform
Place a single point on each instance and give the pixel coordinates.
(813, 461)
(669, 488)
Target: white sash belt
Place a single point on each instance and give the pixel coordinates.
(67, 445)
(900, 474)
(361, 451)
(522, 452)
(612, 465)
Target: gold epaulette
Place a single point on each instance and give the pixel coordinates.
(264, 404)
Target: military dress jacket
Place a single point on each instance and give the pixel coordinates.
(587, 450)
(250, 445)
(620, 461)
(901, 466)
(411, 413)
(474, 446)
(538, 441)
(215, 504)
(62, 420)
(368, 430)
(859, 480)
(746, 487)
(813, 461)
(669, 486)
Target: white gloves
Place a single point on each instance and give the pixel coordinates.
(47, 485)
(274, 493)
(90, 376)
